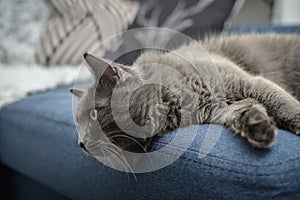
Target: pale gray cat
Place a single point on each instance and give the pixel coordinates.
(256, 87)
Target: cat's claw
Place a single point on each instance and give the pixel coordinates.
(294, 125)
(259, 129)
(297, 132)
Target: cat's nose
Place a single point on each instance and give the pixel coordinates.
(82, 146)
(84, 149)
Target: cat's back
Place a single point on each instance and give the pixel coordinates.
(273, 56)
(257, 53)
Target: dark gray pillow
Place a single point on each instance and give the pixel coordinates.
(195, 18)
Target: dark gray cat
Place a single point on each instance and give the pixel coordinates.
(250, 83)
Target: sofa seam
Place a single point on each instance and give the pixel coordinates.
(231, 161)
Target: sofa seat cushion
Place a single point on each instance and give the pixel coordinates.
(38, 138)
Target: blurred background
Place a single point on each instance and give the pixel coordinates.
(23, 23)
(276, 12)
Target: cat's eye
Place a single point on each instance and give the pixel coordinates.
(116, 72)
(94, 114)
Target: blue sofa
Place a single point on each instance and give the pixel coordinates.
(38, 139)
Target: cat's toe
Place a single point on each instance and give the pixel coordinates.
(259, 129)
(262, 136)
(294, 125)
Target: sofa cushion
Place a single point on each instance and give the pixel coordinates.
(38, 138)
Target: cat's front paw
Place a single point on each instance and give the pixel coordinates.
(259, 129)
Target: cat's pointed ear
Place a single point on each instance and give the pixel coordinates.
(77, 92)
(99, 67)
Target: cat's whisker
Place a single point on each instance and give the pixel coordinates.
(132, 139)
(106, 156)
(117, 160)
(111, 162)
(123, 162)
(126, 131)
(98, 144)
(110, 132)
(114, 156)
(127, 170)
(118, 131)
(117, 153)
(149, 158)
(114, 146)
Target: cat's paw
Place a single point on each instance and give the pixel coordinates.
(259, 129)
(295, 125)
(296, 130)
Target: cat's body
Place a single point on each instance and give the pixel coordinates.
(236, 83)
(273, 56)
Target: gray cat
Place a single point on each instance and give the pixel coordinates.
(250, 83)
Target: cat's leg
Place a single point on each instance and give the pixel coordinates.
(283, 107)
(250, 119)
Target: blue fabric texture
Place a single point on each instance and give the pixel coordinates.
(38, 138)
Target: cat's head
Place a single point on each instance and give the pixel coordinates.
(97, 127)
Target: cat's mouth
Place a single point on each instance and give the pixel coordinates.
(82, 146)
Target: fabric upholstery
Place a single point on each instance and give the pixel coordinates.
(38, 138)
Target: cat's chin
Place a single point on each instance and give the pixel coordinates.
(87, 152)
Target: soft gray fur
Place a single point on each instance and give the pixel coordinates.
(259, 88)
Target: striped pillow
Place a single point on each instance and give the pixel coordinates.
(78, 26)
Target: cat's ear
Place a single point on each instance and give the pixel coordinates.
(99, 67)
(77, 92)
